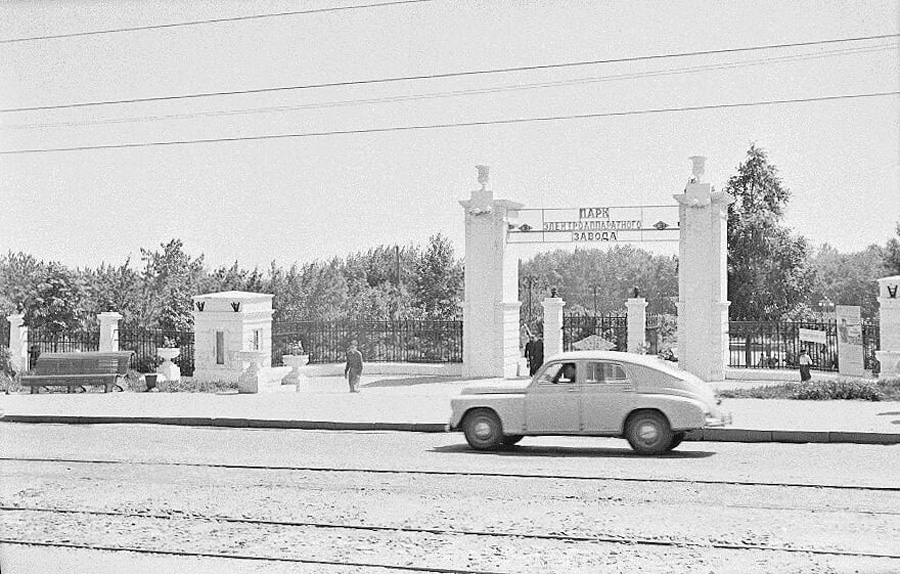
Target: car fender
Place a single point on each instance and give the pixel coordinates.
(510, 409)
(683, 413)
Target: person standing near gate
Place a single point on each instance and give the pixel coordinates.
(537, 355)
(805, 363)
(354, 367)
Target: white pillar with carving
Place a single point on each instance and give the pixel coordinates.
(491, 304)
(109, 330)
(703, 277)
(888, 354)
(637, 324)
(553, 324)
(18, 342)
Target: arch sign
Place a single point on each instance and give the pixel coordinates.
(596, 224)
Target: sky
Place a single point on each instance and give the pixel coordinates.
(298, 199)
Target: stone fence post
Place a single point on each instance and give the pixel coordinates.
(18, 342)
(553, 323)
(888, 354)
(637, 324)
(109, 331)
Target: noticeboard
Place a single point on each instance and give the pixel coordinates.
(595, 224)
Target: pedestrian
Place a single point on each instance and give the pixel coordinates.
(805, 362)
(354, 367)
(529, 351)
(537, 355)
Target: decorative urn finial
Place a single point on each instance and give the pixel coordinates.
(699, 167)
(484, 175)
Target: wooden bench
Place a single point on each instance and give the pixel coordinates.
(77, 370)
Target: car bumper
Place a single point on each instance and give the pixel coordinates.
(717, 420)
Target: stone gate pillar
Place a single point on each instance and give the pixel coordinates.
(18, 342)
(553, 324)
(637, 324)
(109, 331)
(888, 354)
(703, 277)
(491, 305)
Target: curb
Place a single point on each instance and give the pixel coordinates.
(705, 435)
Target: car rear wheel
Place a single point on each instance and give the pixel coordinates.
(511, 439)
(648, 432)
(483, 429)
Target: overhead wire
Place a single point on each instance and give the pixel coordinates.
(509, 121)
(458, 93)
(213, 21)
(445, 75)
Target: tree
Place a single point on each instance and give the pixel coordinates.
(847, 278)
(891, 255)
(20, 274)
(171, 277)
(438, 283)
(55, 305)
(117, 288)
(768, 267)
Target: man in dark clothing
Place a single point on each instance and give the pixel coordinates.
(529, 351)
(537, 356)
(354, 367)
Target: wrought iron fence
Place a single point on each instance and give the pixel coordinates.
(145, 342)
(776, 344)
(378, 341)
(611, 328)
(41, 340)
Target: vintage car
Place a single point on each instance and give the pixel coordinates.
(642, 398)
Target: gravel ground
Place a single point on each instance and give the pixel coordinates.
(693, 516)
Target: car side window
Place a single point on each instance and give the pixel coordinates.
(566, 375)
(550, 373)
(599, 372)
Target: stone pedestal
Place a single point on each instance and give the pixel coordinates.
(637, 324)
(491, 306)
(18, 342)
(225, 323)
(889, 327)
(168, 370)
(295, 362)
(553, 323)
(703, 278)
(255, 378)
(109, 331)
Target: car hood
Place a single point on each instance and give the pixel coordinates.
(499, 387)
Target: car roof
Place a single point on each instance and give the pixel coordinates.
(651, 361)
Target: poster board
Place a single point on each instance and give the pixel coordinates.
(850, 344)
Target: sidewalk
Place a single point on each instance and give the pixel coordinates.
(422, 404)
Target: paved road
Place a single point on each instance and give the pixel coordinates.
(347, 502)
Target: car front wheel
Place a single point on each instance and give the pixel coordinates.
(648, 432)
(483, 430)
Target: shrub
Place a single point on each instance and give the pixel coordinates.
(840, 389)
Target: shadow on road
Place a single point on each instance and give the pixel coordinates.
(891, 414)
(409, 381)
(567, 452)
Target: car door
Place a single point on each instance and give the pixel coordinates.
(607, 396)
(552, 403)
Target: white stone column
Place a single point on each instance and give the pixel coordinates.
(888, 354)
(553, 323)
(703, 278)
(637, 324)
(491, 304)
(18, 342)
(109, 330)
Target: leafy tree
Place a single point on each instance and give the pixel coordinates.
(20, 274)
(117, 288)
(891, 255)
(171, 277)
(847, 278)
(55, 304)
(768, 268)
(327, 290)
(438, 282)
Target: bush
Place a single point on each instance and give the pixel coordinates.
(840, 389)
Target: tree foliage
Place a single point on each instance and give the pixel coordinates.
(891, 255)
(768, 266)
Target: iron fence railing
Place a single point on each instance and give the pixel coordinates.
(420, 341)
(145, 342)
(612, 328)
(777, 344)
(42, 340)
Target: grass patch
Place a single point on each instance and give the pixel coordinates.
(135, 383)
(839, 389)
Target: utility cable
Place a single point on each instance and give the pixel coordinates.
(456, 125)
(459, 74)
(213, 21)
(456, 93)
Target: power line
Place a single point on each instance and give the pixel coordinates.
(457, 93)
(456, 125)
(452, 74)
(213, 21)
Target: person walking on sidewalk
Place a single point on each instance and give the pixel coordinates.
(805, 363)
(354, 367)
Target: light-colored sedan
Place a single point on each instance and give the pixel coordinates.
(642, 398)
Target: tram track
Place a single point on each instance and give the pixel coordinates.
(460, 473)
(603, 538)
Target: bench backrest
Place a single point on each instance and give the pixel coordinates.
(83, 363)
